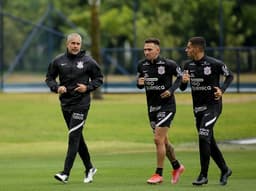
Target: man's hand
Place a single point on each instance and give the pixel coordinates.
(217, 93)
(81, 88)
(165, 94)
(185, 76)
(62, 90)
(141, 81)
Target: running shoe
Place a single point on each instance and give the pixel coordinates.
(200, 180)
(89, 176)
(176, 174)
(61, 177)
(224, 177)
(155, 179)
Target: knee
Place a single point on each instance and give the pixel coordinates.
(158, 140)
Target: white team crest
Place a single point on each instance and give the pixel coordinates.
(80, 65)
(207, 70)
(161, 70)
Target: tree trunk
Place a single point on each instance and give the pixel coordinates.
(95, 39)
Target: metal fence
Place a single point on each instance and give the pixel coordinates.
(119, 68)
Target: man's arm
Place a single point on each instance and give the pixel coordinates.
(177, 82)
(96, 77)
(51, 76)
(185, 80)
(228, 78)
(140, 78)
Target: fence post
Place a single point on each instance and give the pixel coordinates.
(238, 71)
(1, 46)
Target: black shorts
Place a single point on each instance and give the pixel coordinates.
(161, 118)
(206, 119)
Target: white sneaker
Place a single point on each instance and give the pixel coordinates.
(89, 177)
(61, 177)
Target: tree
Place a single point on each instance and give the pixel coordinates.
(95, 38)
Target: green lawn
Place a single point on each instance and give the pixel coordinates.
(33, 144)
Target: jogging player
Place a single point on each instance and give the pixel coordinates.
(155, 73)
(204, 73)
(78, 75)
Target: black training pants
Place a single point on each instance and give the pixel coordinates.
(75, 122)
(208, 147)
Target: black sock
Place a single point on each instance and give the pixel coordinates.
(159, 171)
(175, 164)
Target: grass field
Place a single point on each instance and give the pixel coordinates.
(33, 144)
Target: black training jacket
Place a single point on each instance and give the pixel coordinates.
(73, 69)
(159, 78)
(204, 76)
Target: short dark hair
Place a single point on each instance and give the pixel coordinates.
(153, 40)
(198, 41)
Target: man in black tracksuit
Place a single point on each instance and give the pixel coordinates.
(204, 73)
(156, 75)
(78, 75)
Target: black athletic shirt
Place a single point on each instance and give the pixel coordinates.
(73, 69)
(158, 78)
(204, 76)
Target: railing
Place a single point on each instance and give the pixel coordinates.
(119, 67)
(120, 64)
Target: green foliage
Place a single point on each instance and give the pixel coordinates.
(171, 21)
(16, 24)
(122, 24)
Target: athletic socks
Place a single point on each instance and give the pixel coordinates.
(159, 171)
(175, 164)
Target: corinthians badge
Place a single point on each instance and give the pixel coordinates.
(80, 65)
(161, 70)
(207, 70)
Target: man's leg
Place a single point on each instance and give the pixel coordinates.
(75, 133)
(160, 134)
(159, 139)
(205, 124)
(75, 127)
(83, 151)
(178, 169)
(217, 156)
(170, 154)
(84, 154)
(220, 161)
